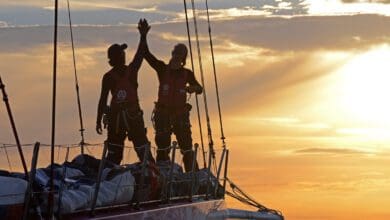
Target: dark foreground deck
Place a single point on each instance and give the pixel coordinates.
(180, 209)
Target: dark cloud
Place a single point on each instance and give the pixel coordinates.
(32, 15)
(280, 34)
(307, 33)
(118, 12)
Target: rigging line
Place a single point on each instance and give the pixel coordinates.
(50, 200)
(215, 76)
(15, 132)
(240, 195)
(196, 95)
(76, 82)
(6, 154)
(209, 134)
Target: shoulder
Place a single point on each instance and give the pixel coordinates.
(107, 77)
(162, 64)
(162, 68)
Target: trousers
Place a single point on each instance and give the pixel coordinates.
(127, 122)
(167, 122)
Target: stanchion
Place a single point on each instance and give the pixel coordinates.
(140, 187)
(219, 172)
(101, 167)
(225, 172)
(193, 172)
(29, 192)
(169, 185)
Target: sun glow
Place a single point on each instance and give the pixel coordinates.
(365, 89)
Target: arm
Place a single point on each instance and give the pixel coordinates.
(194, 85)
(139, 55)
(155, 63)
(102, 104)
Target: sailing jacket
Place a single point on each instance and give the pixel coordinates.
(172, 89)
(124, 88)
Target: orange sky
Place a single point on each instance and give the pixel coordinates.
(304, 98)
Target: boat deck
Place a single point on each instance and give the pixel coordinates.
(181, 209)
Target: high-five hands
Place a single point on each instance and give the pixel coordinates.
(143, 26)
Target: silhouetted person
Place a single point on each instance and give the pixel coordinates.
(172, 111)
(125, 117)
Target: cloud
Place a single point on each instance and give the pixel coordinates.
(3, 24)
(290, 123)
(256, 9)
(227, 14)
(366, 1)
(326, 8)
(333, 151)
(283, 8)
(85, 6)
(307, 33)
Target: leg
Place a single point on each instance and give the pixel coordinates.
(137, 134)
(182, 129)
(163, 135)
(115, 136)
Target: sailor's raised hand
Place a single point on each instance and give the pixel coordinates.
(143, 27)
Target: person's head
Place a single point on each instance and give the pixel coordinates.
(116, 55)
(179, 55)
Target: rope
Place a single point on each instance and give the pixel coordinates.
(215, 76)
(196, 96)
(243, 197)
(50, 202)
(209, 133)
(76, 82)
(72, 145)
(6, 154)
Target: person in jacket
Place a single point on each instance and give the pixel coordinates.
(125, 117)
(172, 112)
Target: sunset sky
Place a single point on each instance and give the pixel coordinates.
(304, 89)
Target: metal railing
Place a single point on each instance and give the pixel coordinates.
(191, 193)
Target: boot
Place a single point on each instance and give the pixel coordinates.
(188, 159)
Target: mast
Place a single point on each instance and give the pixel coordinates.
(11, 118)
(53, 117)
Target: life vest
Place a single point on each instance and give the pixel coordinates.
(123, 91)
(172, 90)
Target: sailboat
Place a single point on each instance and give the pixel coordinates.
(86, 188)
